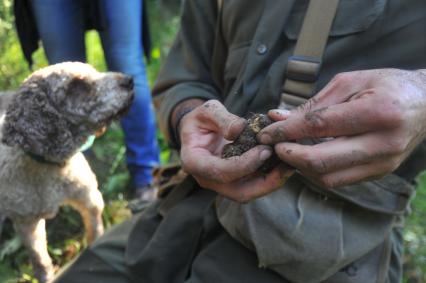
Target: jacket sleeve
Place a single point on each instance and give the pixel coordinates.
(186, 72)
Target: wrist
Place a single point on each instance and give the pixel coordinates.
(179, 112)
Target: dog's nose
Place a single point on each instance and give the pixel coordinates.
(127, 82)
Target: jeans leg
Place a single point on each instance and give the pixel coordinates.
(123, 49)
(61, 28)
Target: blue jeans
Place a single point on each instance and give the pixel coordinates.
(61, 28)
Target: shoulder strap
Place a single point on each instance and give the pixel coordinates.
(304, 66)
(219, 5)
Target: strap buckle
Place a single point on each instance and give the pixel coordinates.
(303, 68)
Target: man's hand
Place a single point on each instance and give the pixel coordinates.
(374, 118)
(203, 133)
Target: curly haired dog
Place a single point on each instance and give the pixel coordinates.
(47, 120)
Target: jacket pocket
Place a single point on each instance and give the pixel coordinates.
(293, 227)
(351, 17)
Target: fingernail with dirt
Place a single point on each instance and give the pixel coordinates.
(265, 154)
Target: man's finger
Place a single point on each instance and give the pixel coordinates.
(228, 124)
(334, 155)
(345, 119)
(278, 114)
(340, 89)
(201, 162)
(244, 190)
(366, 172)
(265, 184)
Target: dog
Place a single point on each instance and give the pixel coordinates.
(54, 112)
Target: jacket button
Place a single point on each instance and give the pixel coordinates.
(261, 49)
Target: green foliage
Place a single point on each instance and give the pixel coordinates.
(415, 236)
(10, 247)
(12, 67)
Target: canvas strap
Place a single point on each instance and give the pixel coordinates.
(219, 5)
(304, 66)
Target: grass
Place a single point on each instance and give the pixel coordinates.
(415, 236)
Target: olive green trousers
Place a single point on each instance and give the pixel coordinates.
(187, 245)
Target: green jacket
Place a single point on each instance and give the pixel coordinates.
(238, 55)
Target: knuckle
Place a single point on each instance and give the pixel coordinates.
(327, 182)
(278, 132)
(308, 105)
(317, 165)
(397, 146)
(315, 123)
(391, 166)
(310, 162)
(342, 78)
(313, 163)
(391, 115)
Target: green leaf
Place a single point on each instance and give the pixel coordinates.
(7, 274)
(10, 247)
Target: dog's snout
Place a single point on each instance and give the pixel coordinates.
(127, 82)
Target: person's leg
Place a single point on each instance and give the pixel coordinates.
(105, 260)
(124, 53)
(148, 248)
(102, 262)
(221, 258)
(61, 28)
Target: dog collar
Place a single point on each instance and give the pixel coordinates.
(39, 158)
(42, 159)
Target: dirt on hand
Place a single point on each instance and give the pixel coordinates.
(247, 140)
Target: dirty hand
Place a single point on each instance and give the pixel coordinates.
(203, 133)
(375, 118)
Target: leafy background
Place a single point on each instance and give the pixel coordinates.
(66, 239)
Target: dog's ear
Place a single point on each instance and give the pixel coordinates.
(77, 99)
(17, 122)
(34, 124)
(78, 86)
(78, 91)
